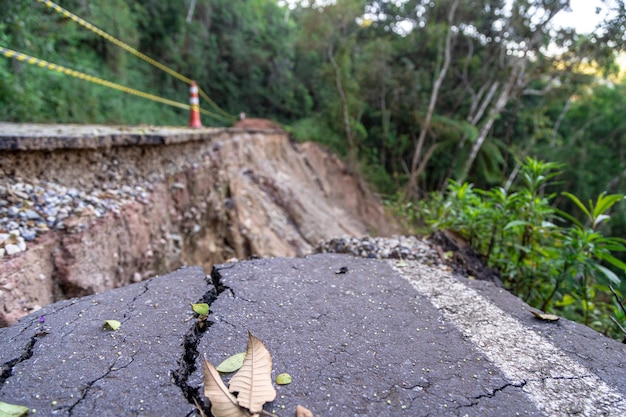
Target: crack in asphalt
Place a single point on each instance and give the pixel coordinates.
(410, 400)
(241, 298)
(492, 394)
(85, 391)
(7, 367)
(567, 378)
(416, 398)
(407, 387)
(520, 384)
(191, 340)
(216, 280)
(146, 285)
(131, 305)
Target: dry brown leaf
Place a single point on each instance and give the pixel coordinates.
(253, 382)
(200, 410)
(223, 403)
(303, 412)
(544, 316)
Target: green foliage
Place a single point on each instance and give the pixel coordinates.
(378, 177)
(556, 268)
(240, 52)
(268, 61)
(411, 216)
(318, 130)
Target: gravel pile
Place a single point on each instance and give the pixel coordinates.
(29, 209)
(397, 247)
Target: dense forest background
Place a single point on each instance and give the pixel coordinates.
(463, 95)
(415, 94)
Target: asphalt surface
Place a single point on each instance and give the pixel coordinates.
(70, 366)
(379, 339)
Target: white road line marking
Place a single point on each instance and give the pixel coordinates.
(555, 383)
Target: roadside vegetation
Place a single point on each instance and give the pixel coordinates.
(448, 108)
(555, 262)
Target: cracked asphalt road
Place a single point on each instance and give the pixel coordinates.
(70, 366)
(377, 340)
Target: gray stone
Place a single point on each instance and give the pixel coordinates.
(51, 210)
(12, 249)
(29, 234)
(21, 195)
(32, 214)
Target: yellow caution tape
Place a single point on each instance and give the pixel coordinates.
(9, 53)
(214, 105)
(135, 52)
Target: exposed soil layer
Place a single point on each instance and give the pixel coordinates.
(220, 194)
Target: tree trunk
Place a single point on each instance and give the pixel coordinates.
(411, 188)
(475, 118)
(557, 124)
(352, 157)
(517, 73)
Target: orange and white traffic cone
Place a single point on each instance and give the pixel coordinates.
(194, 104)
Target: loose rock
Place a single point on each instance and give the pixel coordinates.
(398, 247)
(30, 208)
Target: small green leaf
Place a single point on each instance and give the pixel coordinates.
(613, 260)
(605, 202)
(283, 379)
(609, 274)
(12, 410)
(111, 325)
(576, 201)
(201, 309)
(567, 300)
(231, 364)
(516, 223)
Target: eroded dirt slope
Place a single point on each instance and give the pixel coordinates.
(221, 194)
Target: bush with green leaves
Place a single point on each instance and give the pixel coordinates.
(551, 259)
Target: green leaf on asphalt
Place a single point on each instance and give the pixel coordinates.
(231, 364)
(12, 410)
(283, 379)
(201, 309)
(111, 325)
